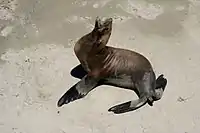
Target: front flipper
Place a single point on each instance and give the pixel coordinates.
(78, 72)
(79, 90)
(71, 95)
(128, 106)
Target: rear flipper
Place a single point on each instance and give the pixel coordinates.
(79, 90)
(128, 106)
(161, 83)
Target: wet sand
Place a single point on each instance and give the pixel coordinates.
(36, 50)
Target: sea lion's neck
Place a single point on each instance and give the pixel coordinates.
(89, 45)
(93, 43)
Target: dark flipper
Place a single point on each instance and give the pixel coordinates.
(71, 95)
(78, 72)
(161, 83)
(128, 106)
(79, 90)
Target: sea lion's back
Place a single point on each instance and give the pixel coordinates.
(126, 60)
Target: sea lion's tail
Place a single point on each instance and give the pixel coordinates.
(128, 106)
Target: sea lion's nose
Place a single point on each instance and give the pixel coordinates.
(109, 19)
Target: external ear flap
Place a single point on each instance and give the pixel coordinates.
(97, 22)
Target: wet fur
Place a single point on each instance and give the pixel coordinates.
(113, 66)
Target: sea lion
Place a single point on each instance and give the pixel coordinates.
(113, 66)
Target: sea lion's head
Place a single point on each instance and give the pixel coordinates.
(103, 30)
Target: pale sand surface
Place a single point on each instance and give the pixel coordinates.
(36, 50)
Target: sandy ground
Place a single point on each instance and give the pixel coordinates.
(36, 50)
